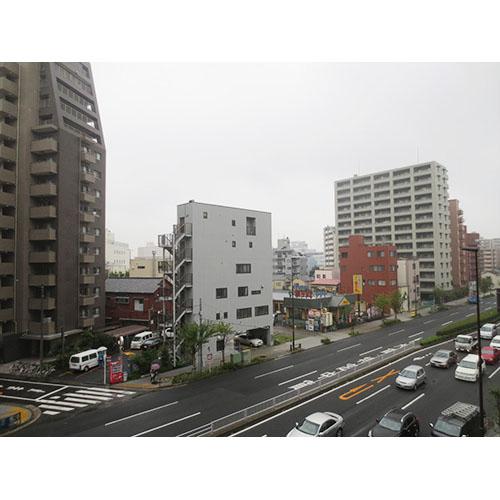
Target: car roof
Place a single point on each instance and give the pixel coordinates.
(84, 353)
(447, 351)
(488, 324)
(318, 417)
(496, 338)
(471, 357)
(396, 413)
(413, 368)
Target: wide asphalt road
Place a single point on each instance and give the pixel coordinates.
(188, 410)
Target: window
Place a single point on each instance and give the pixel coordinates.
(377, 268)
(233, 244)
(344, 255)
(243, 268)
(233, 223)
(97, 311)
(381, 282)
(393, 268)
(121, 300)
(393, 282)
(97, 193)
(251, 226)
(217, 316)
(256, 292)
(97, 251)
(372, 282)
(205, 215)
(221, 293)
(139, 305)
(370, 253)
(380, 253)
(97, 292)
(97, 231)
(261, 310)
(242, 291)
(250, 244)
(225, 315)
(246, 312)
(98, 156)
(392, 253)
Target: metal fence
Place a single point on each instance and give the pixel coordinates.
(324, 382)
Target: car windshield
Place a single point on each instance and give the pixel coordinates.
(408, 373)
(441, 354)
(468, 364)
(487, 328)
(136, 338)
(464, 340)
(448, 427)
(390, 423)
(308, 427)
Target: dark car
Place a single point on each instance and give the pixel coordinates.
(396, 423)
(460, 419)
(490, 355)
(151, 343)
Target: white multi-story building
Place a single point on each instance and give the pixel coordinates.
(149, 251)
(287, 261)
(330, 251)
(117, 254)
(224, 261)
(489, 255)
(406, 206)
(409, 283)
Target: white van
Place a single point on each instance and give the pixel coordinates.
(465, 342)
(140, 338)
(84, 361)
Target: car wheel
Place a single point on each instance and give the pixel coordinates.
(86, 369)
(340, 432)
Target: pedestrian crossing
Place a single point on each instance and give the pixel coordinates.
(74, 398)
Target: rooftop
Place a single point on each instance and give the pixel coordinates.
(132, 285)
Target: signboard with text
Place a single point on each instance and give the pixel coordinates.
(357, 284)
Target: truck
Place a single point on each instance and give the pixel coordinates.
(466, 342)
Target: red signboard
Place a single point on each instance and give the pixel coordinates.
(115, 369)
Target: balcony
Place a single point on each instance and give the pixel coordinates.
(8, 109)
(8, 87)
(9, 68)
(47, 234)
(49, 327)
(45, 128)
(44, 146)
(88, 178)
(6, 268)
(88, 157)
(7, 245)
(7, 154)
(7, 222)
(7, 314)
(42, 279)
(45, 189)
(87, 217)
(49, 303)
(87, 238)
(7, 176)
(87, 300)
(43, 167)
(8, 131)
(7, 199)
(87, 259)
(86, 322)
(6, 292)
(87, 197)
(47, 257)
(45, 212)
(87, 279)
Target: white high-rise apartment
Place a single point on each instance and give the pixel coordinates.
(117, 254)
(224, 261)
(329, 241)
(406, 206)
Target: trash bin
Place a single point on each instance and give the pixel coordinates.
(246, 356)
(236, 358)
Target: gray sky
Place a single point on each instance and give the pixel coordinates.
(275, 137)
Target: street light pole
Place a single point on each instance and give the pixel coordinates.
(293, 309)
(478, 319)
(42, 314)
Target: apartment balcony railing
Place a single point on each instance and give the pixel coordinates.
(47, 234)
(7, 244)
(7, 314)
(49, 327)
(6, 268)
(44, 146)
(8, 87)
(87, 258)
(6, 292)
(42, 279)
(46, 167)
(8, 108)
(87, 279)
(7, 154)
(47, 257)
(44, 212)
(45, 189)
(88, 157)
(87, 238)
(48, 303)
(8, 131)
(87, 197)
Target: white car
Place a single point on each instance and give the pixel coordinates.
(319, 424)
(244, 339)
(495, 342)
(468, 368)
(412, 377)
(488, 331)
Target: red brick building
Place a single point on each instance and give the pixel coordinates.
(137, 301)
(377, 265)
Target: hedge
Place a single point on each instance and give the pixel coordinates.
(468, 324)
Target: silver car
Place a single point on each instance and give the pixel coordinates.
(319, 424)
(412, 377)
(444, 358)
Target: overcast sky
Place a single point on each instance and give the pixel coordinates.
(275, 137)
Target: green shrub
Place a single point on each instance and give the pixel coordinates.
(143, 359)
(468, 324)
(389, 322)
(281, 339)
(354, 333)
(433, 339)
(326, 340)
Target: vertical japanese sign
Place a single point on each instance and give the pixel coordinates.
(357, 284)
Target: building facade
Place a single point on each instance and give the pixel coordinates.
(329, 246)
(407, 207)
(409, 283)
(224, 261)
(377, 265)
(287, 261)
(143, 267)
(117, 255)
(52, 201)
(489, 255)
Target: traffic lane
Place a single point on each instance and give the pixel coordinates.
(23, 390)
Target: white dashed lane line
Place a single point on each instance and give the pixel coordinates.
(412, 401)
(297, 378)
(446, 323)
(429, 321)
(350, 347)
(494, 372)
(415, 334)
(274, 371)
(398, 331)
(374, 394)
(373, 350)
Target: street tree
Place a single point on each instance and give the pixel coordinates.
(194, 335)
(223, 330)
(439, 295)
(382, 302)
(396, 301)
(486, 284)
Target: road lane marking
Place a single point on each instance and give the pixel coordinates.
(350, 347)
(196, 431)
(429, 321)
(80, 400)
(453, 314)
(446, 323)
(274, 371)
(412, 401)
(471, 314)
(334, 389)
(140, 413)
(167, 424)
(112, 391)
(428, 364)
(398, 331)
(296, 378)
(355, 391)
(17, 397)
(51, 393)
(62, 403)
(494, 372)
(373, 350)
(91, 395)
(374, 394)
(50, 412)
(57, 408)
(415, 334)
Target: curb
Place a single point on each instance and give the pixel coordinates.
(35, 415)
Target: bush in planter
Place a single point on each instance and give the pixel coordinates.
(326, 340)
(389, 322)
(354, 333)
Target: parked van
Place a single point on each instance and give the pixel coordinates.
(84, 361)
(466, 342)
(140, 338)
(459, 420)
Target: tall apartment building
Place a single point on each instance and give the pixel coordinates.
(287, 261)
(117, 254)
(406, 206)
(489, 255)
(224, 267)
(329, 247)
(52, 202)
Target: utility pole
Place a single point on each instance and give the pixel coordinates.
(42, 314)
(164, 268)
(154, 264)
(201, 346)
(293, 307)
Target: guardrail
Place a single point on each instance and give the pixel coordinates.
(325, 381)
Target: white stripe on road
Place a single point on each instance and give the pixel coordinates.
(471, 314)
(91, 395)
(53, 392)
(350, 347)
(112, 391)
(415, 334)
(55, 397)
(452, 314)
(446, 323)
(167, 424)
(429, 321)
(373, 350)
(140, 413)
(399, 331)
(374, 394)
(196, 431)
(412, 401)
(296, 378)
(49, 412)
(428, 364)
(58, 408)
(274, 371)
(78, 399)
(62, 403)
(494, 372)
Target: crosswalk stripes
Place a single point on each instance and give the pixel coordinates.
(79, 398)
